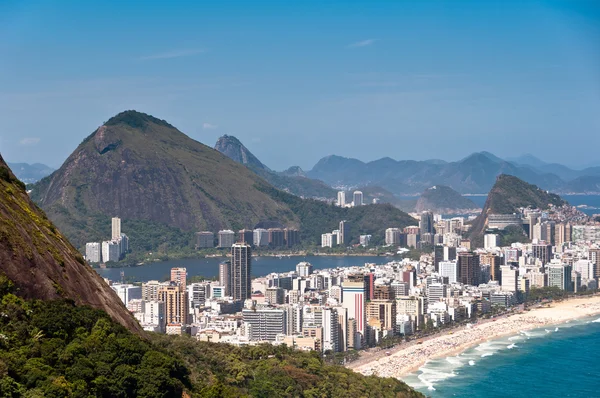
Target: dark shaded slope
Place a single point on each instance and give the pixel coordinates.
(510, 193)
(41, 263)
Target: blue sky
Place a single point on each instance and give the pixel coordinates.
(296, 81)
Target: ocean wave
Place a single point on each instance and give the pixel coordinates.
(510, 347)
(596, 321)
(487, 354)
(472, 363)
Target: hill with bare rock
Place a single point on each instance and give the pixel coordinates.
(166, 186)
(40, 261)
(510, 193)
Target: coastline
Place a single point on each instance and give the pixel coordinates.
(408, 358)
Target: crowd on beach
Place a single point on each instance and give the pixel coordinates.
(409, 359)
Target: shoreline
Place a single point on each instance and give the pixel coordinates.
(409, 358)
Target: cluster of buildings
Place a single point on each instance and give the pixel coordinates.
(259, 237)
(355, 307)
(110, 250)
(357, 199)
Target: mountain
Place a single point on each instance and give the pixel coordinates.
(528, 160)
(40, 261)
(474, 174)
(232, 148)
(508, 194)
(443, 199)
(65, 333)
(138, 167)
(585, 184)
(30, 173)
(165, 186)
(293, 180)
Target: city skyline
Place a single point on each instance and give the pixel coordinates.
(338, 80)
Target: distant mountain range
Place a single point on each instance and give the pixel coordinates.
(474, 174)
(30, 173)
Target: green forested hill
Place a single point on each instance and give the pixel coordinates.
(55, 349)
(165, 186)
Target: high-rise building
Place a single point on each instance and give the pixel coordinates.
(364, 240)
(127, 292)
(111, 251)
(490, 241)
(382, 314)
(225, 276)
(594, 256)
(392, 236)
(116, 228)
(226, 238)
(341, 198)
(154, 314)
(449, 253)
(265, 324)
(291, 237)
(241, 271)
(205, 239)
(510, 277)
(354, 300)
(426, 223)
(179, 276)
(357, 198)
(469, 269)
(261, 237)
(276, 237)
(438, 256)
(176, 303)
(331, 330)
(542, 251)
(246, 236)
(328, 240)
(304, 269)
(344, 233)
(150, 290)
(275, 295)
(449, 269)
(559, 275)
(93, 252)
(493, 261)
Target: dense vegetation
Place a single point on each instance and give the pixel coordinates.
(508, 195)
(441, 198)
(56, 349)
(317, 217)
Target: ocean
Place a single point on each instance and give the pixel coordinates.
(557, 361)
(209, 267)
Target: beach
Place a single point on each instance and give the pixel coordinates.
(407, 358)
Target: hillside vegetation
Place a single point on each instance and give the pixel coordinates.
(443, 199)
(55, 349)
(40, 261)
(166, 186)
(510, 193)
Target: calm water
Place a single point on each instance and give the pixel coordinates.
(538, 363)
(575, 200)
(209, 267)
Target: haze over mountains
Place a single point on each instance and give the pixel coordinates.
(474, 174)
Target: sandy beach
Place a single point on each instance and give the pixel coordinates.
(407, 358)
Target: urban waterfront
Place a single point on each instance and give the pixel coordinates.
(209, 267)
(592, 201)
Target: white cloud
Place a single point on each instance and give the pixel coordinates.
(208, 126)
(172, 54)
(362, 43)
(29, 141)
